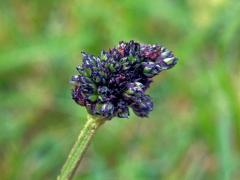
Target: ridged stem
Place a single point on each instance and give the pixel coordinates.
(76, 154)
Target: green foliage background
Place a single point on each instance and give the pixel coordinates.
(194, 130)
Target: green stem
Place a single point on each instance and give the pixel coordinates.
(80, 147)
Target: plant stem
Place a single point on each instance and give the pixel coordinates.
(80, 147)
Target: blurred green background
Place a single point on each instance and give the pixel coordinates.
(194, 130)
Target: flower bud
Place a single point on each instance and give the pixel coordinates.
(151, 69)
(107, 109)
(142, 106)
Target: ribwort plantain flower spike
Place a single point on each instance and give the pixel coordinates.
(108, 84)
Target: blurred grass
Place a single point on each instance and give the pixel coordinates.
(194, 130)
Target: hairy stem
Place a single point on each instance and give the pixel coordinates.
(80, 147)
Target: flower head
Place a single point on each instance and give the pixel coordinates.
(108, 84)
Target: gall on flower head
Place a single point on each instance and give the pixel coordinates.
(108, 84)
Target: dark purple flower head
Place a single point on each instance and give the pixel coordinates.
(107, 85)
